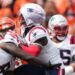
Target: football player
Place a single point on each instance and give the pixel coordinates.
(6, 59)
(9, 47)
(59, 27)
(31, 18)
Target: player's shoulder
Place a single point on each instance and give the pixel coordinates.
(72, 40)
(36, 33)
(37, 30)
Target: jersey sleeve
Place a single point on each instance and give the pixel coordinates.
(37, 35)
(32, 49)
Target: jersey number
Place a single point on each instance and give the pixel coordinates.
(65, 57)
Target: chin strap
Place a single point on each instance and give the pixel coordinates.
(58, 39)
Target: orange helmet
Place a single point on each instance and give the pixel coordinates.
(6, 23)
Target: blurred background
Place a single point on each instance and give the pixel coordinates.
(11, 8)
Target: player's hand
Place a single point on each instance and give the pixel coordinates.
(73, 65)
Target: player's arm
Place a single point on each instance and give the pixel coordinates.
(10, 43)
(16, 51)
(36, 39)
(36, 47)
(69, 69)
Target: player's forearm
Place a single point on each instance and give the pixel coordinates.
(68, 70)
(15, 51)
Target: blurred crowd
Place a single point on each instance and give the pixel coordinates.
(11, 8)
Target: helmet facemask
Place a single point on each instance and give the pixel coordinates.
(60, 32)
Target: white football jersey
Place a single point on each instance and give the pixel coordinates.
(6, 58)
(66, 50)
(49, 53)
